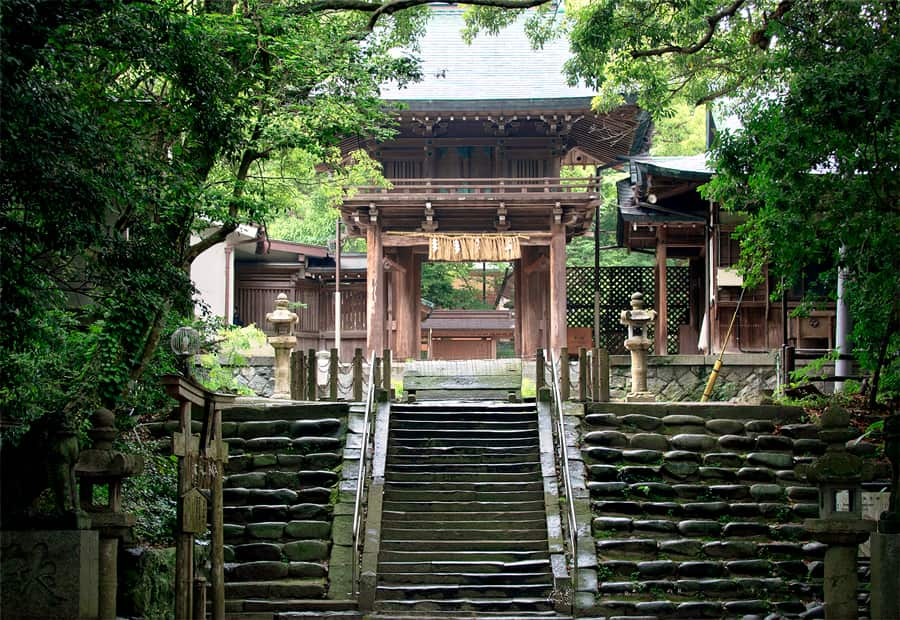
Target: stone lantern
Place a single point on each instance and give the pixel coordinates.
(638, 320)
(98, 466)
(839, 475)
(283, 342)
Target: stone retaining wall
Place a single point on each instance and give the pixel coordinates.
(698, 511)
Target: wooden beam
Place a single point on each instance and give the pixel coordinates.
(661, 302)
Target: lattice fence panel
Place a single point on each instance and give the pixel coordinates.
(616, 287)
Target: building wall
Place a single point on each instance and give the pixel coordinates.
(208, 275)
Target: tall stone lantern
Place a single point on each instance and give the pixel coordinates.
(104, 467)
(840, 525)
(638, 320)
(282, 341)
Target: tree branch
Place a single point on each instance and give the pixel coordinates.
(393, 6)
(712, 22)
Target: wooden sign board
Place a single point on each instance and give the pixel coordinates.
(193, 512)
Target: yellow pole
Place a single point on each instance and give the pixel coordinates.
(710, 384)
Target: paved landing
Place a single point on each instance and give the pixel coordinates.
(465, 379)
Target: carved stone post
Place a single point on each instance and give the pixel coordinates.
(638, 320)
(283, 341)
(840, 525)
(886, 540)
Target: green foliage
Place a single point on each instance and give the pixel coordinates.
(231, 346)
(129, 126)
(152, 496)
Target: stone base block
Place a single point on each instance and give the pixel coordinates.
(49, 574)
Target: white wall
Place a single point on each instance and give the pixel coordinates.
(208, 275)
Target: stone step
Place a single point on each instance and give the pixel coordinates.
(453, 517)
(486, 567)
(441, 476)
(477, 523)
(507, 605)
(390, 533)
(545, 579)
(280, 589)
(459, 462)
(438, 557)
(464, 545)
(424, 495)
(525, 447)
(467, 507)
(426, 425)
(488, 440)
(407, 592)
(464, 408)
(452, 484)
(451, 615)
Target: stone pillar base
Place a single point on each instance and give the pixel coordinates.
(640, 397)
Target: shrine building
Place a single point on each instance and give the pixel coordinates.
(475, 176)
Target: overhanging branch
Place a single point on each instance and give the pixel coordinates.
(712, 22)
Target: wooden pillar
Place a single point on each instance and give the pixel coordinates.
(517, 288)
(405, 294)
(375, 290)
(312, 379)
(531, 299)
(557, 287)
(662, 330)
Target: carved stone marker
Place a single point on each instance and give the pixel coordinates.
(49, 574)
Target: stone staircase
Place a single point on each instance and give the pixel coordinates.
(697, 512)
(464, 524)
(279, 485)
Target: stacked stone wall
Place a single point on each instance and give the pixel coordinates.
(697, 511)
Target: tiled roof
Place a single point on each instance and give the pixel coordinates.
(679, 165)
(501, 67)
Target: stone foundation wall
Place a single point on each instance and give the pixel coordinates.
(744, 378)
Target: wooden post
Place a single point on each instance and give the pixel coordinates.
(296, 375)
(584, 374)
(790, 363)
(595, 375)
(199, 610)
(603, 376)
(557, 287)
(184, 542)
(357, 374)
(312, 378)
(375, 289)
(333, 375)
(386, 371)
(538, 369)
(564, 373)
(662, 304)
(219, 456)
(376, 372)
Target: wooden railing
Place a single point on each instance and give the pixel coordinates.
(589, 185)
